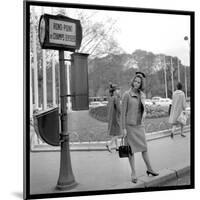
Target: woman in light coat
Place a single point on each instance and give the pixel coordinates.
(133, 113)
(178, 105)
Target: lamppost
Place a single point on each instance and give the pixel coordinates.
(178, 70)
(165, 77)
(187, 39)
(172, 75)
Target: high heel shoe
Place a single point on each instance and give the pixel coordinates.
(108, 148)
(133, 179)
(183, 135)
(152, 173)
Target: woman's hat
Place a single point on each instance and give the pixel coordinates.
(113, 87)
(141, 74)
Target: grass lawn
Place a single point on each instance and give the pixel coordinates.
(84, 128)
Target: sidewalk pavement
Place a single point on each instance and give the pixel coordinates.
(97, 169)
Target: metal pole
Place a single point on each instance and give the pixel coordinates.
(172, 76)
(68, 87)
(53, 81)
(66, 178)
(36, 99)
(178, 71)
(44, 80)
(53, 75)
(165, 78)
(186, 39)
(31, 92)
(185, 82)
(44, 73)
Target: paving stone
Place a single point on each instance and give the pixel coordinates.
(128, 185)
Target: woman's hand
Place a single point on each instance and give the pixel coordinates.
(124, 132)
(144, 115)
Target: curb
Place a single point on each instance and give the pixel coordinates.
(165, 175)
(180, 171)
(165, 133)
(100, 146)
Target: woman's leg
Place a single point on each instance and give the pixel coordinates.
(182, 126)
(148, 164)
(146, 160)
(132, 165)
(173, 130)
(114, 140)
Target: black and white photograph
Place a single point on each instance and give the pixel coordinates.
(109, 99)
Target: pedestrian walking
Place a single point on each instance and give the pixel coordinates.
(178, 106)
(114, 115)
(133, 114)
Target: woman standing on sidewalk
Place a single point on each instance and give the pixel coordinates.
(114, 114)
(133, 113)
(178, 105)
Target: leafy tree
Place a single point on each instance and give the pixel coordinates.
(117, 69)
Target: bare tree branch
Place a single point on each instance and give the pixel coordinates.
(104, 36)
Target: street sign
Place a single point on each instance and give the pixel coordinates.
(59, 32)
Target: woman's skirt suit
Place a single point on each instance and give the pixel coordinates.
(132, 115)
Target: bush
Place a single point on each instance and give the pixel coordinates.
(154, 111)
(99, 113)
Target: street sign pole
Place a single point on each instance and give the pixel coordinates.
(66, 178)
(61, 33)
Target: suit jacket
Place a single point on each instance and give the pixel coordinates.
(130, 107)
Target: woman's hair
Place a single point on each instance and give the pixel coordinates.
(111, 89)
(141, 85)
(179, 86)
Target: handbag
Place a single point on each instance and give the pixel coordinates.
(182, 118)
(124, 150)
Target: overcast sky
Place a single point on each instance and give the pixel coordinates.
(158, 33)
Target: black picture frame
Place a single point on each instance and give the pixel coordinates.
(26, 145)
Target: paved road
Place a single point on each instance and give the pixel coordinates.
(96, 170)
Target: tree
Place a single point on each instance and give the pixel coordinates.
(98, 36)
(114, 68)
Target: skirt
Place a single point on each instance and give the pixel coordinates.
(136, 138)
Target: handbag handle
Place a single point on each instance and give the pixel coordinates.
(123, 140)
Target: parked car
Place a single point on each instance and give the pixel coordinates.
(164, 102)
(104, 103)
(148, 102)
(155, 99)
(95, 104)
